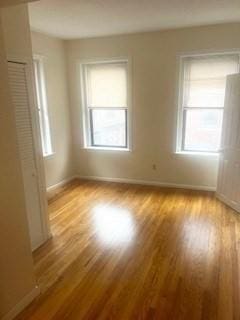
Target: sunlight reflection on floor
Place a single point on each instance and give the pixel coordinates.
(113, 225)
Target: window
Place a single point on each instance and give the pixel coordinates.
(202, 100)
(42, 108)
(106, 110)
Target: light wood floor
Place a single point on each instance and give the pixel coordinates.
(136, 252)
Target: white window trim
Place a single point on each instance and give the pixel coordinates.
(179, 122)
(40, 59)
(85, 116)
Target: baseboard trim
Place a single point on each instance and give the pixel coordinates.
(60, 184)
(148, 182)
(21, 305)
(229, 203)
(131, 181)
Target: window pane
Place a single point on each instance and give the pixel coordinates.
(109, 127)
(203, 130)
(107, 85)
(205, 79)
(42, 107)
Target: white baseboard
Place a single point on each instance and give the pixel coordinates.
(148, 182)
(21, 305)
(60, 184)
(132, 181)
(230, 203)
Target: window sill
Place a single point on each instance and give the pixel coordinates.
(49, 156)
(107, 149)
(193, 153)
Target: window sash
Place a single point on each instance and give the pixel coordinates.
(183, 108)
(203, 108)
(42, 109)
(184, 123)
(91, 127)
(87, 108)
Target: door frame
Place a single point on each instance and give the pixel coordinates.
(41, 181)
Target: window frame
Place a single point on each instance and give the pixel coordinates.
(88, 139)
(42, 107)
(182, 110)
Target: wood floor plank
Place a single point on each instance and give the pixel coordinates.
(124, 252)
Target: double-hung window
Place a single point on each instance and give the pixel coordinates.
(105, 104)
(42, 108)
(202, 92)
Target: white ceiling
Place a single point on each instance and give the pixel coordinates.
(70, 19)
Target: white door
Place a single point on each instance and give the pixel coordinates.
(228, 188)
(23, 117)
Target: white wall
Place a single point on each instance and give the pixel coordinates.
(154, 86)
(59, 166)
(17, 278)
(16, 30)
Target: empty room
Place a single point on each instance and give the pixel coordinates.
(120, 159)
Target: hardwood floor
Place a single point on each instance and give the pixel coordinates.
(137, 252)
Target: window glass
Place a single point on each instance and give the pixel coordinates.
(203, 94)
(105, 103)
(109, 127)
(42, 108)
(203, 130)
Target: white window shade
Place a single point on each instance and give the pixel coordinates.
(107, 85)
(205, 79)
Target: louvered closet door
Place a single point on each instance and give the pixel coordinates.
(20, 98)
(228, 189)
